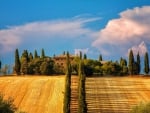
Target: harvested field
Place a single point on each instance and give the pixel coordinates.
(35, 94)
(116, 94)
(74, 94)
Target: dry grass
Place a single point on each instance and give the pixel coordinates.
(116, 94)
(35, 94)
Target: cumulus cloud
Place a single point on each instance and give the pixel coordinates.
(11, 37)
(141, 49)
(131, 29)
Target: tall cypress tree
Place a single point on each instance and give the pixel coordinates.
(67, 94)
(138, 63)
(35, 54)
(0, 64)
(82, 108)
(146, 63)
(85, 57)
(100, 58)
(42, 53)
(17, 62)
(131, 63)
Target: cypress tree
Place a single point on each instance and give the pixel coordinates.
(42, 53)
(17, 62)
(0, 64)
(35, 54)
(138, 63)
(82, 108)
(67, 94)
(100, 58)
(146, 63)
(85, 57)
(131, 63)
(30, 57)
(24, 62)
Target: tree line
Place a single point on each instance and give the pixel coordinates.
(30, 63)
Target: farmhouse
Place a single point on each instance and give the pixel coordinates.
(60, 60)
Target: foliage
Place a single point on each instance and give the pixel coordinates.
(131, 63)
(17, 62)
(138, 63)
(141, 108)
(36, 54)
(146, 63)
(111, 68)
(6, 106)
(82, 107)
(42, 53)
(67, 93)
(100, 58)
(0, 64)
(46, 67)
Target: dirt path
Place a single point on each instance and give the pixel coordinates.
(74, 94)
(35, 94)
(115, 95)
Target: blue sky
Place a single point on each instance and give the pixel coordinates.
(107, 27)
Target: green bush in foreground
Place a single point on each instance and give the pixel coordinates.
(141, 108)
(7, 106)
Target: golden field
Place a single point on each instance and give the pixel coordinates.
(116, 94)
(37, 94)
(44, 94)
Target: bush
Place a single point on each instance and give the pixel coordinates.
(6, 106)
(141, 108)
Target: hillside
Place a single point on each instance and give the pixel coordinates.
(116, 94)
(35, 94)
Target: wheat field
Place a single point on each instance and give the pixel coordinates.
(116, 94)
(35, 94)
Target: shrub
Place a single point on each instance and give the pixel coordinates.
(6, 106)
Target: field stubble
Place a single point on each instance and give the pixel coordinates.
(35, 94)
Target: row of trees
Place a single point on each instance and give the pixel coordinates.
(34, 64)
(134, 66)
(82, 107)
(29, 64)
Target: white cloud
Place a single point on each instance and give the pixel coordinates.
(11, 37)
(132, 28)
(141, 48)
(84, 51)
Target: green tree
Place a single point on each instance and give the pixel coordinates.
(42, 53)
(0, 65)
(123, 65)
(138, 63)
(146, 63)
(85, 56)
(17, 62)
(131, 62)
(24, 62)
(46, 67)
(67, 93)
(30, 57)
(35, 54)
(82, 108)
(100, 58)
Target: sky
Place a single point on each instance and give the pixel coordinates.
(107, 27)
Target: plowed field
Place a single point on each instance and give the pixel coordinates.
(35, 94)
(116, 94)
